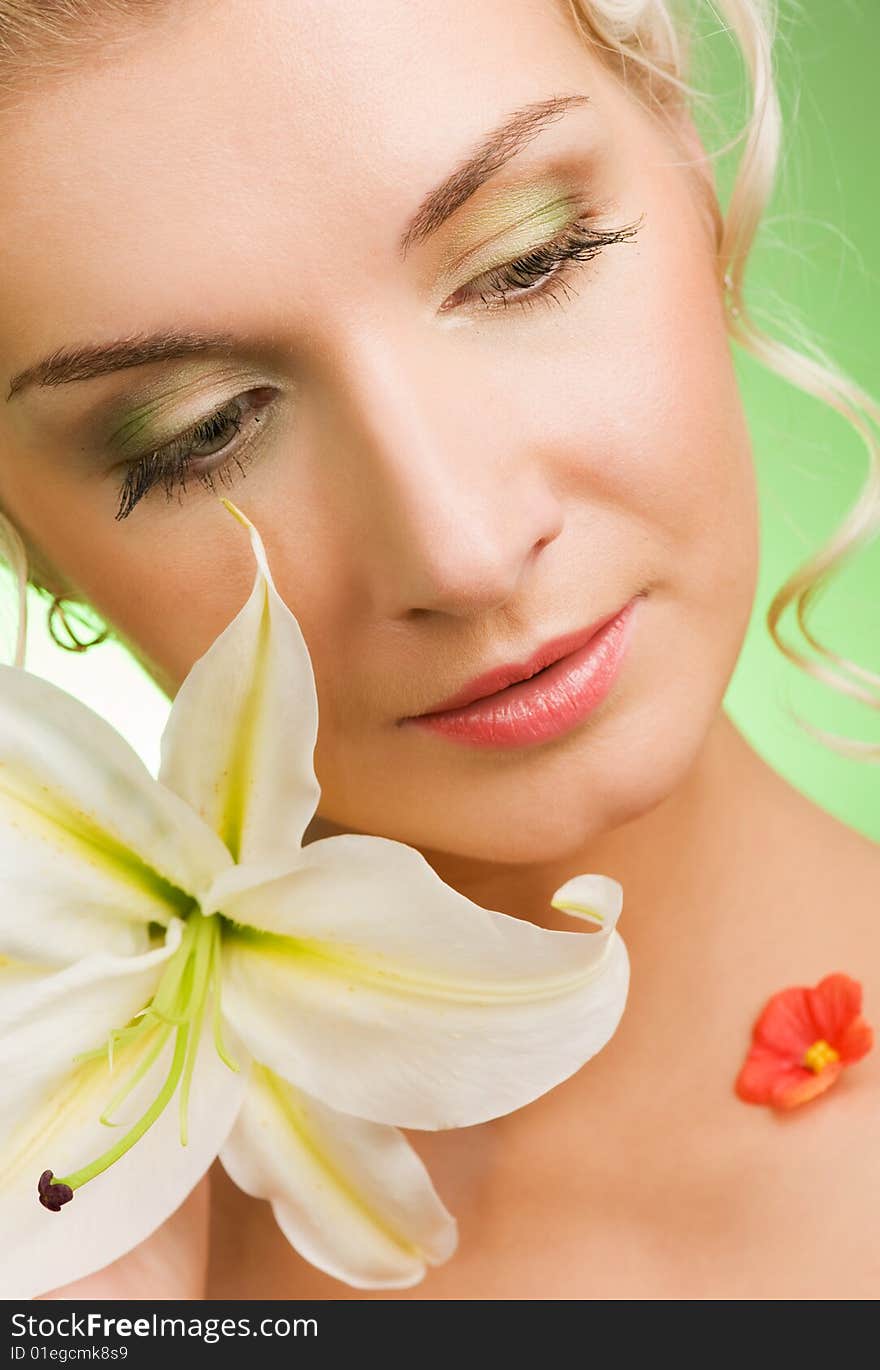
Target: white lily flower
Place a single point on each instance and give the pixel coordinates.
(172, 936)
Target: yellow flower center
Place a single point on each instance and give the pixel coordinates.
(819, 1055)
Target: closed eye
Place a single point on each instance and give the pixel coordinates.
(530, 276)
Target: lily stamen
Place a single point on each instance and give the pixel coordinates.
(181, 997)
(219, 1045)
(201, 982)
(52, 1194)
(138, 1075)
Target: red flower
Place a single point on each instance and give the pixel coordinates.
(801, 1042)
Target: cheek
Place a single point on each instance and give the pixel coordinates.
(697, 486)
(165, 595)
(648, 435)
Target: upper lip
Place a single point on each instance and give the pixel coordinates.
(490, 682)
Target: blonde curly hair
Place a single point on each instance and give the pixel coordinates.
(648, 44)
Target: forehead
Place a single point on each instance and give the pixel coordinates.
(257, 140)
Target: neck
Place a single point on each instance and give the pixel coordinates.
(716, 902)
(726, 887)
(704, 873)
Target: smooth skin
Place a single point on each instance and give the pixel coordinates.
(440, 491)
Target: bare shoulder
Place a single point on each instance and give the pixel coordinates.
(826, 906)
(840, 878)
(852, 864)
(828, 863)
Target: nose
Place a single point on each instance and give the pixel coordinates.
(450, 502)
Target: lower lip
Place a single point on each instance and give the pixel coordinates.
(548, 704)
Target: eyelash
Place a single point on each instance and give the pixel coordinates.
(524, 280)
(171, 463)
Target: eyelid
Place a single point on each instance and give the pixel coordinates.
(542, 225)
(147, 436)
(170, 462)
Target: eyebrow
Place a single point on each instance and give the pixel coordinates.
(493, 150)
(496, 148)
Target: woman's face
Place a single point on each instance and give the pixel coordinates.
(445, 476)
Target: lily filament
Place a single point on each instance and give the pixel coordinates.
(191, 977)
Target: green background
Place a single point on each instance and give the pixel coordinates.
(815, 267)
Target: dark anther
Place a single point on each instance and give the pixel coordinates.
(52, 1196)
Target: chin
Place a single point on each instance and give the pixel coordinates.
(552, 802)
(554, 808)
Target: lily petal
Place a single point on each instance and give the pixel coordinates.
(92, 848)
(121, 1207)
(390, 996)
(47, 1019)
(350, 1196)
(239, 740)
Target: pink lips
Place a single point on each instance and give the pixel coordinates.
(502, 708)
